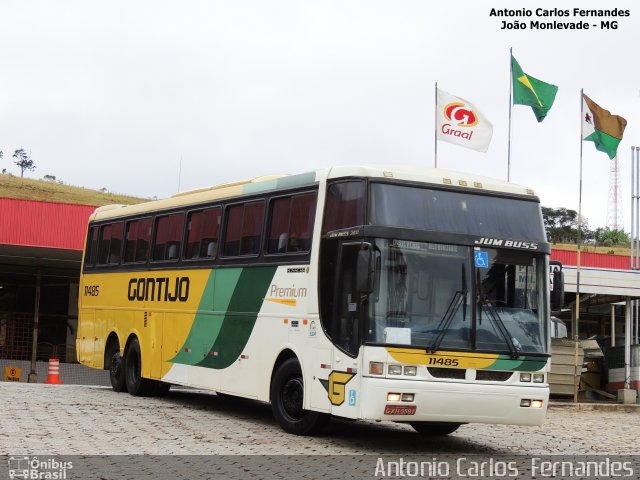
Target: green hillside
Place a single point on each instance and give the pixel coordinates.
(52, 191)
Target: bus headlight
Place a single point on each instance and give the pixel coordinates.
(536, 403)
(410, 371)
(408, 397)
(376, 368)
(525, 377)
(393, 397)
(538, 378)
(395, 370)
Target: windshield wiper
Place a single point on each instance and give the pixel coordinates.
(494, 316)
(459, 298)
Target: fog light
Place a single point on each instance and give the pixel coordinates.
(393, 397)
(525, 377)
(410, 371)
(525, 402)
(538, 378)
(395, 370)
(376, 368)
(408, 397)
(536, 403)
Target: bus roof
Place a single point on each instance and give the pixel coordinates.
(426, 175)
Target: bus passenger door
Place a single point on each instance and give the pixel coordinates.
(344, 381)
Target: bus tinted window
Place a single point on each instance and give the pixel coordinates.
(92, 246)
(138, 238)
(110, 243)
(244, 229)
(203, 228)
(455, 212)
(168, 237)
(291, 224)
(344, 206)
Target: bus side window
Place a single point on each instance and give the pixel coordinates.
(203, 227)
(92, 247)
(137, 240)
(168, 237)
(110, 243)
(291, 224)
(244, 229)
(344, 206)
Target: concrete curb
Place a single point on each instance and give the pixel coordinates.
(592, 407)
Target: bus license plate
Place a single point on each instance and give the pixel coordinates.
(400, 410)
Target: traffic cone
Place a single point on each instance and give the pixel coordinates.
(54, 372)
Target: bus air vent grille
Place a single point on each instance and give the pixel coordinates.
(454, 373)
(493, 376)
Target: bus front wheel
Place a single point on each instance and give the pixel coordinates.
(136, 385)
(287, 401)
(435, 428)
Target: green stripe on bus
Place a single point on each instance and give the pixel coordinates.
(206, 324)
(523, 364)
(238, 323)
(289, 181)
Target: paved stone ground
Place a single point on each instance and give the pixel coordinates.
(82, 420)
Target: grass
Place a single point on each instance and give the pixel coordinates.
(51, 191)
(616, 250)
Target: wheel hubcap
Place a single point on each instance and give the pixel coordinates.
(292, 395)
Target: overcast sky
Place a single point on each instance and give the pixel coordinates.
(113, 94)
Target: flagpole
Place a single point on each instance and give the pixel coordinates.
(510, 106)
(435, 128)
(576, 330)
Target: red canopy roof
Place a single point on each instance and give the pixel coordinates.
(43, 224)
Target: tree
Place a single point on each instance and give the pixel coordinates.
(561, 224)
(24, 161)
(610, 237)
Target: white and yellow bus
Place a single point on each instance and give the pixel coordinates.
(405, 294)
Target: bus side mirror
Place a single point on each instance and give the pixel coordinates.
(365, 275)
(557, 290)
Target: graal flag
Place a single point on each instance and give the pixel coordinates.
(461, 123)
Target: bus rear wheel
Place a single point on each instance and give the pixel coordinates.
(287, 401)
(435, 429)
(136, 385)
(116, 373)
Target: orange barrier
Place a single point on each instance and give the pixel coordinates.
(54, 372)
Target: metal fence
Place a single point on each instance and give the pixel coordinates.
(16, 348)
(16, 337)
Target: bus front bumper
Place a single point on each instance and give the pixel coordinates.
(453, 402)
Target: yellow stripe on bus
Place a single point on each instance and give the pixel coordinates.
(291, 302)
(442, 358)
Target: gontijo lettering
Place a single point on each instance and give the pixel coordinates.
(159, 289)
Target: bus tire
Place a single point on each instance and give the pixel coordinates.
(116, 373)
(287, 400)
(136, 385)
(435, 429)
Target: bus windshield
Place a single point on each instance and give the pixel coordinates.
(436, 296)
(455, 212)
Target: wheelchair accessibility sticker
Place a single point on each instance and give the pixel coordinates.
(352, 398)
(481, 259)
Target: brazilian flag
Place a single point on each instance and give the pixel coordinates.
(530, 91)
